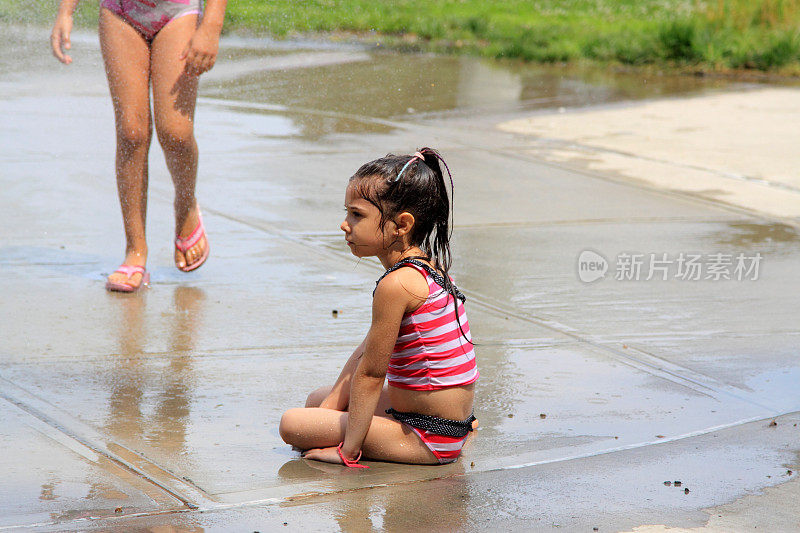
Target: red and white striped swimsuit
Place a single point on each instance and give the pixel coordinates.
(431, 352)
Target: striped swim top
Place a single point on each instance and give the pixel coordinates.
(431, 352)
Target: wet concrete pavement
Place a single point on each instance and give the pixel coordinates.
(160, 410)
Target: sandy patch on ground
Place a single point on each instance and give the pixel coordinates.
(736, 148)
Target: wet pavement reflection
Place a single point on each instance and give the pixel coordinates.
(389, 511)
(148, 403)
(383, 85)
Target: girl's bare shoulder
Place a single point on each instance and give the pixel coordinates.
(406, 284)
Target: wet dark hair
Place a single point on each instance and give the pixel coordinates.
(410, 183)
(420, 190)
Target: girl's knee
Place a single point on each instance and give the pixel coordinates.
(132, 135)
(290, 426)
(316, 397)
(176, 140)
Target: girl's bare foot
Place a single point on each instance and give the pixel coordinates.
(132, 258)
(184, 259)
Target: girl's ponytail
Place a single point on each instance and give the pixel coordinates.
(439, 248)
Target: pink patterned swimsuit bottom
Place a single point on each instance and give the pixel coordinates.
(148, 17)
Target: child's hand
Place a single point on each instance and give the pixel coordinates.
(201, 52)
(326, 455)
(59, 38)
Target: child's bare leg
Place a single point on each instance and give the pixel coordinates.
(174, 97)
(386, 440)
(337, 396)
(127, 60)
(318, 396)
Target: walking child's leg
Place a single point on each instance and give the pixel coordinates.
(174, 97)
(127, 62)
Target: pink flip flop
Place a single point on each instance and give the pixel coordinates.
(184, 244)
(129, 270)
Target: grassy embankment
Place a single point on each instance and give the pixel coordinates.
(708, 35)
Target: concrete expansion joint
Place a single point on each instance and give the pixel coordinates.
(85, 440)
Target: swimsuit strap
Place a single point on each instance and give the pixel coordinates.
(437, 277)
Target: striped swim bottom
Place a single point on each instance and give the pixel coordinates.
(148, 17)
(444, 438)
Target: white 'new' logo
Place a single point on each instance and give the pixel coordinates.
(591, 266)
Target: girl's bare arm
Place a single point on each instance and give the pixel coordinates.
(59, 37)
(388, 306)
(201, 52)
(214, 13)
(339, 397)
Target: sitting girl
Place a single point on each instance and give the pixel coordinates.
(397, 210)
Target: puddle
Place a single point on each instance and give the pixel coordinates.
(387, 85)
(745, 234)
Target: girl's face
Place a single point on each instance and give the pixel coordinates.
(361, 226)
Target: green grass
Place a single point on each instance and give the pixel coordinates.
(44, 12)
(705, 35)
(708, 35)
